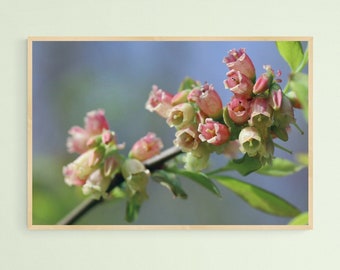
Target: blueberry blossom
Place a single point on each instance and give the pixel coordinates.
(159, 101)
(146, 147)
(240, 61)
(213, 132)
(239, 84)
(95, 124)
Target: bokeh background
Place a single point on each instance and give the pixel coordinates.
(71, 78)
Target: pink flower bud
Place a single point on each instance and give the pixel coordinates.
(261, 113)
(240, 61)
(111, 166)
(294, 100)
(250, 141)
(213, 132)
(146, 147)
(239, 110)
(108, 137)
(180, 97)
(239, 84)
(264, 81)
(275, 99)
(187, 139)
(181, 115)
(208, 100)
(159, 101)
(95, 122)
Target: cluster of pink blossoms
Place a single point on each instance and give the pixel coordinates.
(257, 113)
(99, 158)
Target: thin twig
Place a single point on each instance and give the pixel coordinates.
(151, 164)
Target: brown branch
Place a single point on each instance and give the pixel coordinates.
(152, 164)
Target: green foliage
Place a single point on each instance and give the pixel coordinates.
(199, 178)
(291, 52)
(299, 85)
(187, 83)
(301, 219)
(169, 180)
(244, 165)
(259, 198)
(280, 167)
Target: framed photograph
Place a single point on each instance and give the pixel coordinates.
(170, 133)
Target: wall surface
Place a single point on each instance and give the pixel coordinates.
(21, 248)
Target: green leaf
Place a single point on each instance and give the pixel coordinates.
(169, 181)
(259, 198)
(291, 52)
(245, 165)
(301, 219)
(302, 158)
(201, 179)
(299, 84)
(187, 83)
(280, 167)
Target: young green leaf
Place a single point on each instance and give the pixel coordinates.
(301, 219)
(299, 84)
(291, 52)
(280, 167)
(259, 198)
(201, 179)
(187, 83)
(169, 180)
(245, 165)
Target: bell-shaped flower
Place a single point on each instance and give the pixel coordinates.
(239, 84)
(240, 61)
(181, 115)
(146, 147)
(95, 122)
(82, 139)
(96, 184)
(71, 177)
(159, 101)
(136, 177)
(79, 170)
(208, 100)
(213, 132)
(239, 110)
(261, 113)
(250, 141)
(77, 142)
(187, 139)
(198, 159)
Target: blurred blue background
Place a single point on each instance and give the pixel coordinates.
(71, 78)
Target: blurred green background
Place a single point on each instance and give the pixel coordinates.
(71, 78)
